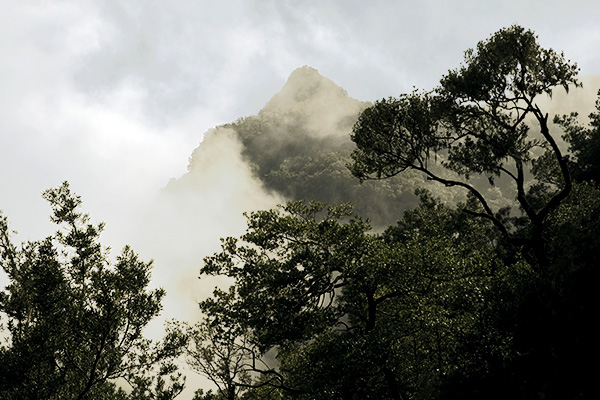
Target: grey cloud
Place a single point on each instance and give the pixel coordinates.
(225, 55)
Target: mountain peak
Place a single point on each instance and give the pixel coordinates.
(307, 75)
(305, 72)
(305, 84)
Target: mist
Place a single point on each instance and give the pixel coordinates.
(192, 212)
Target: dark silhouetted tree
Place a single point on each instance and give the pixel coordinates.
(74, 320)
(477, 123)
(484, 121)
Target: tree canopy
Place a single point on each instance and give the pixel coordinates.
(74, 320)
(478, 122)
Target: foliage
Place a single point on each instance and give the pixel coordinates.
(475, 122)
(352, 314)
(74, 321)
(546, 314)
(557, 317)
(584, 144)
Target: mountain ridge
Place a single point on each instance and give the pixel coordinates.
(297, 147)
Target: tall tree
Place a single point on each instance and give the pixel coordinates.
(484, 120)
(220, 351)
(74, 320)
(477, 122)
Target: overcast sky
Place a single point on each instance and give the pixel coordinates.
(114, 96)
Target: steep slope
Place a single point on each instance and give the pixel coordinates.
(298, 147)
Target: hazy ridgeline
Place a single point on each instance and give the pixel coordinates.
(298, 146)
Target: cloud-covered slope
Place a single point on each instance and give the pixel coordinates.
(298, 147)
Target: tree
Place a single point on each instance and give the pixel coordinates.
(351, 314)
(219, 351)
(289, 269)
(476, 122)
(75, 320)
(584, 144)
(554, 330)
